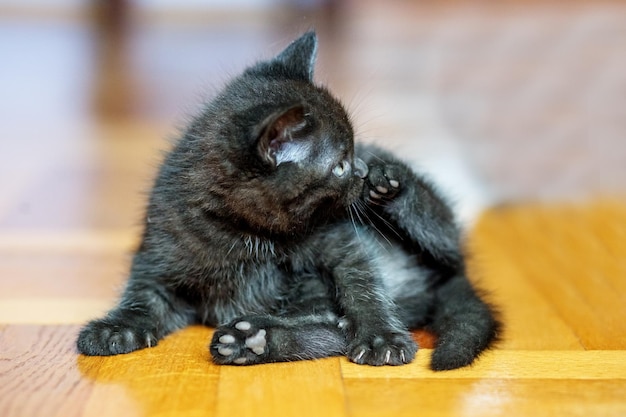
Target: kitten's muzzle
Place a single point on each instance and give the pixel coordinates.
(360, 168)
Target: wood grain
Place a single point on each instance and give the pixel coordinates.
(39, 375)
(177, 378)
(570, 258)
(312, 388)
(174, 378)
(485, 397)
(515, 364)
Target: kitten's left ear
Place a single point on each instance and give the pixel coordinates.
(283, 136)
(299, 57)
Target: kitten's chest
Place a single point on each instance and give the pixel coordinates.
(241, 289)
(254, 277)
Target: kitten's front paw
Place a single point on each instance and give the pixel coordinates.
(102, 338)
(392, 348)
(239, 343)
(383, 183)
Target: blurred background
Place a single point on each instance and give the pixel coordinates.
(500, 101)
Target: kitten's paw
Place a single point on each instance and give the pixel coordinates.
(383, 183)
(239, 343)
(392, 348)
(101, 338)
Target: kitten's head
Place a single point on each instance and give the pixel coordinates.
(276, 152)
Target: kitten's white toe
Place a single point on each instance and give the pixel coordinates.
(243, 326)
(227, 339)
(224, 351)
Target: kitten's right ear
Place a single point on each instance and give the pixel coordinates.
(283, 137)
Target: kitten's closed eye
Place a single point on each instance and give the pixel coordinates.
(341, 169)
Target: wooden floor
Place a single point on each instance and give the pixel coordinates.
(526, 99)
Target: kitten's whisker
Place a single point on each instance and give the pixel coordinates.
(382, 219)
(353, 222)
(232, 247)
(356, 212)
(371, 223)
(376, 156)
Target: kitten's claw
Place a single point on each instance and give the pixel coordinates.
(393, 348)
(375, 195)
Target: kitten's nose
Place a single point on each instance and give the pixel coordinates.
(360, 168)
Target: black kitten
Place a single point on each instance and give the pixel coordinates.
(265, 222)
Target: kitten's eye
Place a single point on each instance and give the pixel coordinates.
(341, 169)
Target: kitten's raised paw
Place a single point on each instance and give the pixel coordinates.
(101, 338)
(239, 343)
(383, 183)
(391, 348)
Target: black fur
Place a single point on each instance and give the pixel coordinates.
(265, 222)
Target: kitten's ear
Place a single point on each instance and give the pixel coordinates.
(299, 57)
(283, 136)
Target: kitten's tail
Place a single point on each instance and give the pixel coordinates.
(465, 325)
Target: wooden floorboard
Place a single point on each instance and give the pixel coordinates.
(41, 372)
(485, 397)
(526, 97)
(570, 260)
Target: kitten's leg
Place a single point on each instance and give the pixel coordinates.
(263, 338)
(464, 323)
(146, 313)
(410, 203)
(373, 330)
(306, 327)
(369, 331)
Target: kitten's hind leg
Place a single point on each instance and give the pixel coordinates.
(264, 338)
(144, 315)
(305, 327)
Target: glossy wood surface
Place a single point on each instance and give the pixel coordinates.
(89, 114)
